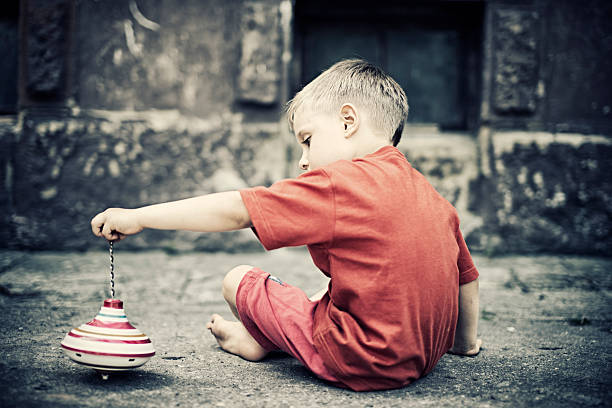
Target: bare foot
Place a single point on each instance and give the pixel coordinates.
(467, 351)
(234, 338)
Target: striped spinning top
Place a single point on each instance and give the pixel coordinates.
(109, 342)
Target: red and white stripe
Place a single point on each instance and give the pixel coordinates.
(109, 342)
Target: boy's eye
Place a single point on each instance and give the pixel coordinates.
(306, 141)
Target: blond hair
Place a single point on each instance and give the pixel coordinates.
(363, 84)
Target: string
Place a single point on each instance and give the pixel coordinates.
(112, 270)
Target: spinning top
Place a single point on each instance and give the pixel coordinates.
(109, 342)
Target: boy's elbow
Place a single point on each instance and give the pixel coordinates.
(242, 219)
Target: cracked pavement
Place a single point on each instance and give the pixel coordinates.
(546, 324)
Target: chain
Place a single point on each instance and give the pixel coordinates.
(112, 270)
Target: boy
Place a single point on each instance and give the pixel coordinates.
(403, 288)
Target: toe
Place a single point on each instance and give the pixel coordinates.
(217, 327)
(214, 319)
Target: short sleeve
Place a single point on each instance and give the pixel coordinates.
(467, 270)
(293, 212)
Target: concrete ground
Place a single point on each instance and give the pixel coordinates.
(546, 323)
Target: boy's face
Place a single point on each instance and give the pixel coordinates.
(322, 138)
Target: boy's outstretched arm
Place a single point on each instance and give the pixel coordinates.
(466, 341)
(208, 213)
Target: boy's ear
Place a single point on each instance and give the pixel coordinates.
(350, 119)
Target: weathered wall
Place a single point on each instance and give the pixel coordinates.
(540, 187)
(137, 102)
(543, 66)
(180, 56)
(141, 102)
(541, 192)
(66, 171)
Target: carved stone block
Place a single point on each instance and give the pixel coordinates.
(259, 76)
(47, 36)
(515, 61)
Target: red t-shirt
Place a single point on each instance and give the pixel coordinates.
(396, 257)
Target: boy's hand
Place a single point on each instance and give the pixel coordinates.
(115, 223)
(466, 350)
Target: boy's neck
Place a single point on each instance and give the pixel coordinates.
(370, 145)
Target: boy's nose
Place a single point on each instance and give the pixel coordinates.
(303, 163)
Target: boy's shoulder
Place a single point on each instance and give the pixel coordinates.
(386, 175)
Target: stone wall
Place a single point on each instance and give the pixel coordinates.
(126, 103)
(66, 171)
(543, 192)
(544, 139)
(139, 102)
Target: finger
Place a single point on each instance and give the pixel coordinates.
(107, 231)
(97, 223)
(117, 236)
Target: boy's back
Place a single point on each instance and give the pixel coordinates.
(390, 244)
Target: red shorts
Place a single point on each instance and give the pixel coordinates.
(280, 317)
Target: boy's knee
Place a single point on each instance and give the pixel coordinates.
(232, 281)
